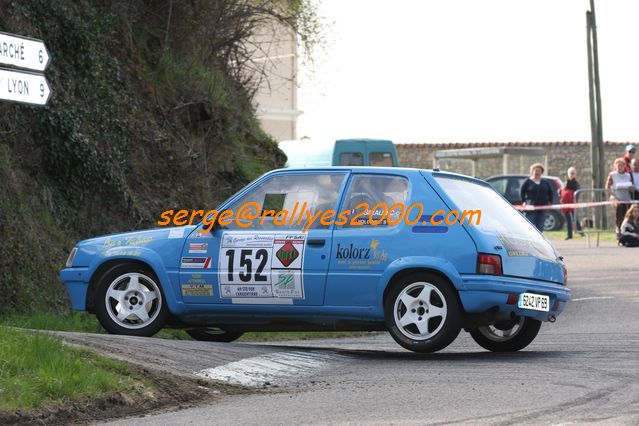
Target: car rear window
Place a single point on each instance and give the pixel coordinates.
(351, 159)
(380, 159)
(518, 235)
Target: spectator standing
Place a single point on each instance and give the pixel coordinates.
(629, 156)
(620, 187)
(630, 227)
(536, 192)
(567, 197)
(634, 176)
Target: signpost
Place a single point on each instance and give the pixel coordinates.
(23, 86)
(23, 52)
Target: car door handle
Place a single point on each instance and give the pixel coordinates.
(316, 242)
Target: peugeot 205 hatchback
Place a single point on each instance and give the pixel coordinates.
(423, 279)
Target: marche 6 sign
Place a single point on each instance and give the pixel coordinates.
(20, 86)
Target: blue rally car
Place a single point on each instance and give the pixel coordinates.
(423, 281)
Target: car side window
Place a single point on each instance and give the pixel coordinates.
(282, 199)
(380, 193)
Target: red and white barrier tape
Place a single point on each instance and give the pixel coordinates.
(525, 207)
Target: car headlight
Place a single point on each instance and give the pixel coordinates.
(71, 256)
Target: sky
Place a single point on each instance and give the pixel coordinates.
(426, 71)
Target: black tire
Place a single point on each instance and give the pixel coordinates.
(554, 221)
(119, 278)
(214, 335)
(440, 330)
(526, 332)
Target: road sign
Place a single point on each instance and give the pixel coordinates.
(23, 52)
(24, 87)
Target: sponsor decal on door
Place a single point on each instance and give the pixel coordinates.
(196, 262)
(262, 265)
(198, 248)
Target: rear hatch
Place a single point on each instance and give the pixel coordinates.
(501, 230)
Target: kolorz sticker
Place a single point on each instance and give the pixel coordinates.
(263, 265)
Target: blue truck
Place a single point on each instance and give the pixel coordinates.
(342, 152)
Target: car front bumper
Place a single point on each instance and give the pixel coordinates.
(479, 293)
(76, 280)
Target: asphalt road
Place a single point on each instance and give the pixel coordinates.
(583, 368)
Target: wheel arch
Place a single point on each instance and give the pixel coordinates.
(409, 271)
(154, 265)
(401, 268)
(101, 270)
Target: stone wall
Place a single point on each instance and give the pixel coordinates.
(561, 155)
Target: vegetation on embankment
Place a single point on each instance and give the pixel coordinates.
(150, 110)
(38, 371)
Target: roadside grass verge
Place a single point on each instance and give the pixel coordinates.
(38, 371)
(560, 235)
(83, 322)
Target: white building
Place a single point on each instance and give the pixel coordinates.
(276, 99)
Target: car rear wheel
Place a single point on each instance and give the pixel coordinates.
(214, 335)
(129, 301)
(507, 336)
(422, 313)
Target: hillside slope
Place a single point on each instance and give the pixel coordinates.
(145, 115)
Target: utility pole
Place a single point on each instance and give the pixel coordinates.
(597, 154)
(594, 147)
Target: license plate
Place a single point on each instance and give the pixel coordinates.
(536, 302)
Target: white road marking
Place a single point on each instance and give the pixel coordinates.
(593, 298)
(275, 367)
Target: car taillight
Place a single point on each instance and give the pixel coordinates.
(489, 264)
(565, 274)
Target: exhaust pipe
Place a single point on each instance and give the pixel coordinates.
(552, 318)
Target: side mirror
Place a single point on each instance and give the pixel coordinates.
(207, 224)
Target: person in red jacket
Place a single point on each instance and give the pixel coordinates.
(567, 197)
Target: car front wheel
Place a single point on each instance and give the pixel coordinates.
(129, 301)
(507, 336)
(422, 313)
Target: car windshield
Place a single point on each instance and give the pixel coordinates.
(518, 235)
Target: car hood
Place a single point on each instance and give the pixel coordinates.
(138, 238)
(166, 242)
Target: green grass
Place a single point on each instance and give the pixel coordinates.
(560, 235)
(69, 321)
(38, 370)
(81, 322)
(87, 323)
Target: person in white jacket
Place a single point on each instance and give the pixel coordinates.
(619, 184)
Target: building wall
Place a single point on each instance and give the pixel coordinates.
(561, 155)
(275, 53)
